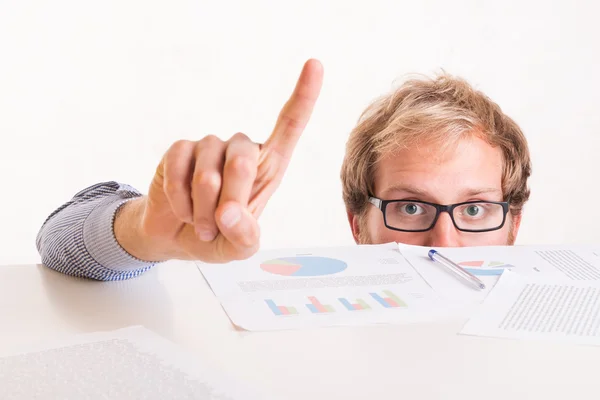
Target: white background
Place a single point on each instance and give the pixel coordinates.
(95, 91)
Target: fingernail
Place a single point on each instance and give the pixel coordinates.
(231, 216)
(204, 235)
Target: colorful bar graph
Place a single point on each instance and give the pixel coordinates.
(391, 301)
(280, 310)
(316, 307)
(359, 305)
(363, 304)
(312, 309)
(347, 304)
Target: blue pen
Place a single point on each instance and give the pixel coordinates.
(457, 269)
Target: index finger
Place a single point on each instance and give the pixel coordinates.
(296, 112)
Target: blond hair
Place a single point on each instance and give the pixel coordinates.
(443, 110)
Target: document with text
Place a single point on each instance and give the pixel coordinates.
(521, 307)
(570, 263)
(292, 289)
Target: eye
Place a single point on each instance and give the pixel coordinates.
(411, 209)
(472, 210)
(476, 211)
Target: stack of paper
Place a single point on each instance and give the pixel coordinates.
(542, 293)
(531, 292)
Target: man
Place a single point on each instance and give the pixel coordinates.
(434, 163)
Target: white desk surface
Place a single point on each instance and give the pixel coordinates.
(420, 361)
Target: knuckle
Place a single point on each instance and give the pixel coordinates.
(242, 165)
(240, 136)
(210, 141)
(208, 144)
(209, 180)
(179, 146)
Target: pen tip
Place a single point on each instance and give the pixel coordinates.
(431, 253)
(481, 286)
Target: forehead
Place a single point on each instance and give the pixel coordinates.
(470, 165)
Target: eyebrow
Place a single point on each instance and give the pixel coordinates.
(421, 192)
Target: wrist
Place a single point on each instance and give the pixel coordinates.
(129, 232)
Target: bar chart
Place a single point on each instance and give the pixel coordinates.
(360, 304)
(280, 310)
(390, 301)
(386, 299)
(316, 307)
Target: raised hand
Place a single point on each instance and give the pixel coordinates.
(206, 196)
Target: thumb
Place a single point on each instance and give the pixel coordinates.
(239, 230)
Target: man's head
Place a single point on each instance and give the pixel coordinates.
(431, 143)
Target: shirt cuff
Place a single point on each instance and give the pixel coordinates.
(100, 241)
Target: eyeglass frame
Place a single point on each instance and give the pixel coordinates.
(440, 208)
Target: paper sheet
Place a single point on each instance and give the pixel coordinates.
(130, 363)
(356, 285)
(539, 309)
(488, 263)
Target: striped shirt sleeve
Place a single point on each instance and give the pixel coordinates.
(78, 238)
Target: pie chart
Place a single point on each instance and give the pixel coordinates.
(303, 266)
(485, 267)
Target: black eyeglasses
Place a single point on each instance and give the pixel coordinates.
(421, 216)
